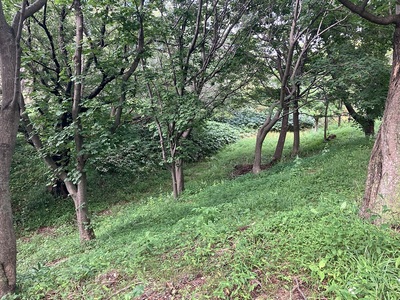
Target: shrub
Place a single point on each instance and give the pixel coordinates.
(244, 118)
(306, 122)
(208, 139)
(133, 148)
(253, 118)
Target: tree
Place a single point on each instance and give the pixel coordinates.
(10, 57)
(69, 109)
(287, 33)
(382, 189)
(357, 69)
(197, 47)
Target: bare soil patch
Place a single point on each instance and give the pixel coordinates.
(175, 290)
(239, 170)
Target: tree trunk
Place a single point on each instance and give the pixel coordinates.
(10, 63)
(296, 129)
(174, 182)
(369, 127)
(180, 180)
(382, 191)
(117, 111)
(78, 193)
(367, 124)
(316, 123)
(282, 136)
(9, 120)
(261, 134)
(178, 184)
(326, 121)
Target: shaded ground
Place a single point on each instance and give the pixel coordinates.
(239, 170)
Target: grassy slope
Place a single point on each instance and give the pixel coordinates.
(289, 231)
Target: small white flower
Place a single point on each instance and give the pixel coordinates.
(352, 291)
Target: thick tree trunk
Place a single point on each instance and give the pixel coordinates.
(10, 63)
(382, 191)
(9, 120)
(282, 136)
(296, 129)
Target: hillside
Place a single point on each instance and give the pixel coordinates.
(291, 232)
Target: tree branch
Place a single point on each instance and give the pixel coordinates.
(29, 11)
(364, 13)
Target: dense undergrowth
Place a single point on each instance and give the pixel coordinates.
(291, 232)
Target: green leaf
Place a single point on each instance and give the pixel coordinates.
(321, 275)
(322, 263)
(397, 264)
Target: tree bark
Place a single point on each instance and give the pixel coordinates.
(282, 136)
(296, 128)
(78, 192)
(382, 191)
(10, 62)
(261, 134)
(9, 120)
(174, 181)
(180, 181)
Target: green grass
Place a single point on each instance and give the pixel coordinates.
(289, 230)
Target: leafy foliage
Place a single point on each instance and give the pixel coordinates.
(209, 139)
(305, 121)
(250, 118)
(132, 149)
(244, 118)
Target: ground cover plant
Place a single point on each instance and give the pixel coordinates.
(291, 232)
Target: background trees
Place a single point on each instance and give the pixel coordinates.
(287, 34)
(358, 69)
(198, 46)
